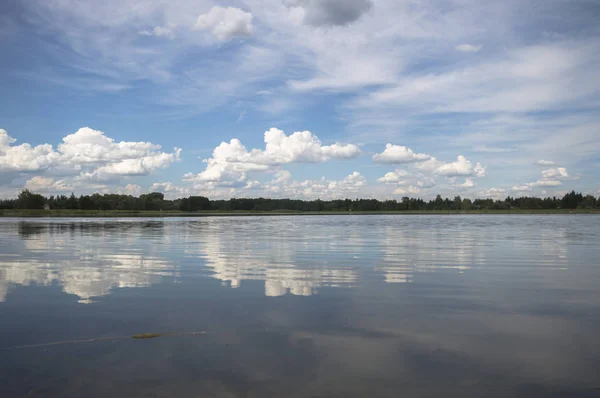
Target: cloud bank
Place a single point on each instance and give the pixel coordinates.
(84, 156)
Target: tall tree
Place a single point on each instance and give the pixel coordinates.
(30, 200)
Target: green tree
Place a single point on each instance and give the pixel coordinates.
(87, 203)
(457, 204)
(438, 204)
(195, 203)
(466, 204)
(30, 200)
(588, 202)
(72, 202)
(571, 200)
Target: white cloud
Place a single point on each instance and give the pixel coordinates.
(303, 147)
(5, 139)
(88, 152)
(550, 178)
(428, 173)
(47, 184)
(230, 162)
(133, 167)
(494, 193)
(544, 76)
(131, 189)
(170, 190)
(430, 165)
(282, 176)
(468, 48)
(557, 173)
(545, 163)
(479, 170)
(521, 188)
(545, 183)
(89, 146)
(226, 23)
(351, 183)
(399, 154)
(467, 184)
(159, 31)
(426, 182)
(462, 167)
(393, 177)
(317, 189)
(281, 186)
(24, 157)
(412, 190)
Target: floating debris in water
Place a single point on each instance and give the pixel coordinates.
(135, 336)
(146, 335)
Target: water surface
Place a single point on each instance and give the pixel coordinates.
(302, 306)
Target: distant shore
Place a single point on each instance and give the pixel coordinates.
(212, 213)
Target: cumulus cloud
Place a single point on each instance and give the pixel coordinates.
(550, 178)
(24, 157)
(282, 176)
(494, 193)
(426, 182)
(130, 189)
(462, 167)
(393, 177)
(468, 48)
(87, 146)
(280, 186)
(545, 163)
(399, 154)
(226, 23)
(479, 170)
(315, 189)
(467, 184)
(169, 189)
(411, 190)
(427, 171)
(430, 165)
(47, 184)
(521, 188)
(88, 152)
(159, 31)
(133, 167)
(332, 12)
(231, 161)
(557, 173)
(350, 183)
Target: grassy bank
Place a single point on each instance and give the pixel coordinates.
(173, 213)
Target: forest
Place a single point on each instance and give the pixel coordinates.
(156, 201)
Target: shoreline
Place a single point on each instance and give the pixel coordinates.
(215, 213)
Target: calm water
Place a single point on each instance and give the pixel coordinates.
(321, 306)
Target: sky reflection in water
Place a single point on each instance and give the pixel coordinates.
(303, 306)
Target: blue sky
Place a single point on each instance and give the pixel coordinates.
(300, 98)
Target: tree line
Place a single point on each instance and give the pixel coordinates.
(157, 201)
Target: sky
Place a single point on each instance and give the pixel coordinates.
(300, 98)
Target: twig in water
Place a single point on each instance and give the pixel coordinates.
(135, 336)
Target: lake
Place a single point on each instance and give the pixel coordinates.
(301, 306)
